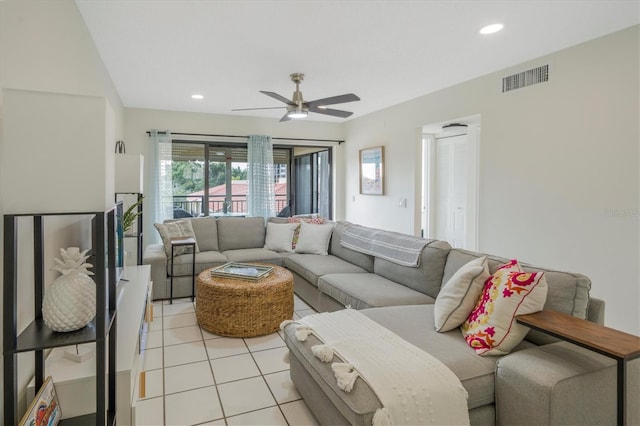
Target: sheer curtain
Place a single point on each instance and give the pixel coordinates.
(324, 171)
(261, 197)
(161, 183)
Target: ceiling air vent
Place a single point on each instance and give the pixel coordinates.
(525, 78)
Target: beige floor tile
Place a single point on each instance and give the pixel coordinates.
(154, 339)
(269, 341)
(225, 346)
(234, 368)
(193, 407)
(187, 377)
(149, 412)
(180, 320)
(179, 306)
(272, 360)
(184, 353)
(245, 395)
(176, 336)
(153, 359)
(298, 414)
(265, 417)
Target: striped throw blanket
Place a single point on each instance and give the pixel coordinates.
(392, 246)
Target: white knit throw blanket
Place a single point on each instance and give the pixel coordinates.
(414, 387)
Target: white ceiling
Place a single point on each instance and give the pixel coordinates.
(159, 53)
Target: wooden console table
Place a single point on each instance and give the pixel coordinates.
(615, 344)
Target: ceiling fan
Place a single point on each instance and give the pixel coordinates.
(298, 108)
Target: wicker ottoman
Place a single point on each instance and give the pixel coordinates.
(243, 308)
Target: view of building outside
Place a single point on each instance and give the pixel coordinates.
(226, 196)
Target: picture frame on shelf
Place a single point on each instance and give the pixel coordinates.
(44, 409)
(372, 171)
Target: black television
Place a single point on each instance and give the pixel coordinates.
(119, 239)
(113, 241)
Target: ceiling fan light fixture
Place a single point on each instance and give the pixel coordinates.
(490, 29)
(297, 113)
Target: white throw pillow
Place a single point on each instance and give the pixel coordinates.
(280, 236)
(314, 238)
(459, 295)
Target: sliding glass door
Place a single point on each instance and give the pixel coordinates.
(227, 181)
(188, 168)
(313, 182)
(211, 179)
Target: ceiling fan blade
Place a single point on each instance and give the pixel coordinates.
(340, 99)
(251, 109)
(285, 117)
(329, 111)
(278, 97)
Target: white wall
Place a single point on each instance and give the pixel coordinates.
(559, 166)
(48, 62)
(139, 121)
(59, 164)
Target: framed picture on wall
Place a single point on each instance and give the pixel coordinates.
(372, 171)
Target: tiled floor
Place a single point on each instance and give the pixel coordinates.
(194, 377)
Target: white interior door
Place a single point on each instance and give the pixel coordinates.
(451, 187)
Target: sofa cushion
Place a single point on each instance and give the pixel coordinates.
(427, 277)
(176, 229)
(204, 260)
(280, 236)
(491, 328)
(313, 266)
(459, 295)
(567, 292)
(240, 233)
(253, 255)
(415, 324)
(205, 230)
(314, 238)
(364, 261)
(368, 290)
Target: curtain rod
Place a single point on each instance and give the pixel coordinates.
(238, 136)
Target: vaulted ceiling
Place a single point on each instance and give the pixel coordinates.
(159, 53)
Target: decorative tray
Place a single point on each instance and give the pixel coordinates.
(243, 271)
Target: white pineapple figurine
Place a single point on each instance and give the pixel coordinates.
(70, 301)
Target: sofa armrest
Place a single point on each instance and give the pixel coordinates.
(595, 310)
(556, 384)
(155, 256)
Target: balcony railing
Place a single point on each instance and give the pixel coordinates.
(192, 205)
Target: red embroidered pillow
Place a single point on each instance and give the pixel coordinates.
(491, 328)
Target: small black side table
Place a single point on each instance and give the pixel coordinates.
(184, 242)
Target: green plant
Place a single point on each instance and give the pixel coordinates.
(130, 215)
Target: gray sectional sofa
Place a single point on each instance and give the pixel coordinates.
(542, 381)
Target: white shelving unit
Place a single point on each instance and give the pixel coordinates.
(75, 382)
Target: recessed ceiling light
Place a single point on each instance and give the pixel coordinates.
(490, 29)
(196, 96)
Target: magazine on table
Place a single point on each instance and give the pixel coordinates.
(245, 271)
